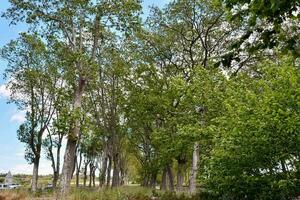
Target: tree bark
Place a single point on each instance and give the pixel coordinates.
(94, 177)
(69, 158)
(77, 178)
(171, 178)
(35, 174)
(56, 173)
(153, 180)
(164, 180)
(91, 174)
(55, 178)
(116, 171)
(180, 178)
(78, 166)
(194, 169)
(108, 172)
(122, 171)
(145, 180)
(84, 178)
(85, 174)
(103, 172)
(68, 166)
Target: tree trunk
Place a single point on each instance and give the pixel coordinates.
(116, 172)
(145, 180)
(55, 178)
(153, 180)
(103, 172)
(78, 166)
(56, 173)
(108, 172)
(194, 169)
(85, 174)
(77, 178)
(35, 174)
(68, 166)
(74, 134)
(94, 176)
(122, 171)
(91, 174)
(164, 180)
(180, 176)
(171, 178)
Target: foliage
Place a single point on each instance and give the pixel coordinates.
(206, 89)
(267, 21)
(255, 153)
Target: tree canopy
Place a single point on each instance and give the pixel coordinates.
(202, 94)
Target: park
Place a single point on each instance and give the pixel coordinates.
(150, 99)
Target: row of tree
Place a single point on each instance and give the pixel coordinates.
(190, 91)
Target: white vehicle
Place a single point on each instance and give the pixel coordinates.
(3, 187)
(14, 186)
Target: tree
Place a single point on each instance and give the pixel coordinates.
(78, 26)
(256, 149)
(28, 70)
(176, 41)
(265, 23)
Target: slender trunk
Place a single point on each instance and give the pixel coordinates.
(164, 180)
(122, 171)
(78, 166)
(91, 174)
(116, 172)
(171, 178)
(55, 178)
(103, 172)
(77, 178)
(194, 169)
(94, 176)
(70, 153)
(57, 169)
(85, 174)
(180, 176)
(145, 180)
(56, 175)
(108, 172)
(35, 174)
(153, 180)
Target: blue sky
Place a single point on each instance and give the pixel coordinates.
(11, 150)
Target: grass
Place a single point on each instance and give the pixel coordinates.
(121, 193)
(13, 195)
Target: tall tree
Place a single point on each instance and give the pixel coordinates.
(28, 71)
(78, 26)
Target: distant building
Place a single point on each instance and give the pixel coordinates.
(8, 178)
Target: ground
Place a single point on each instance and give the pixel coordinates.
(122, 193)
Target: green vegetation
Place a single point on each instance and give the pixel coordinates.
(201, 100)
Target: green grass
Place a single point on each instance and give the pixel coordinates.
(121, 193)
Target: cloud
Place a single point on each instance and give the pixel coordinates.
(4, 92)
(18, 116)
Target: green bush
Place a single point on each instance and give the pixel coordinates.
(2, 179)
(254, 187)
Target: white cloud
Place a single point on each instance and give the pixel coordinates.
(18, 116)
(4, 92)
